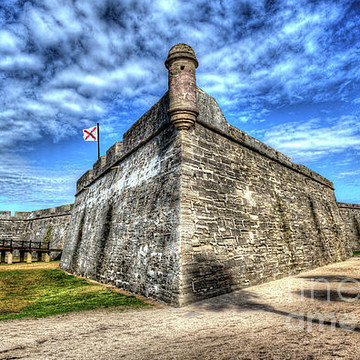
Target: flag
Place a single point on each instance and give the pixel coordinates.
(90, 134)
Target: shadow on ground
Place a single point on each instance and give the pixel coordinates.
(243, 300)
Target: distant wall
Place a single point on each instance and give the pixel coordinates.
(125, 225)
(350, 214)
(47, 225)
(12, 227)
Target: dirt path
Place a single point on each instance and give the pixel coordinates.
(257, 323)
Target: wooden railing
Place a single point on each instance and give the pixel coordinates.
(11, 245)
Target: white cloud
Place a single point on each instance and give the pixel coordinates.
(65, 64)
(22, 62)
(315, 139)
(348, 173)
(251, 55)
(19, 179)
(8, 42)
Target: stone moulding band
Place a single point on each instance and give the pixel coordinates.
(189, 110)
(37, 216)
(126, 155)
(14, 218)
(184, 55)
(348, 206)
(48, 216)
(253, 148)
(183, 118)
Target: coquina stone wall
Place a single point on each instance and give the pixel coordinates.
(248, 213)
(350, 214)
(188, 207)
(184, 215)
(12, 227)
(46, 225)
(125, 227)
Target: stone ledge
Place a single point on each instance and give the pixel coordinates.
(348, 206)
(114, 153)
(99, 166)
(37, 214)
(5, 214)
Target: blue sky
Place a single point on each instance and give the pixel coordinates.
(286, 72)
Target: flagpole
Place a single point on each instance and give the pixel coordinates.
(98, 139)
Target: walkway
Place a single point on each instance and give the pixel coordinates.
(261, 322)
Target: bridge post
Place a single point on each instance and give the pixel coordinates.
(10, 257)
(47, 257)
(28, 257)
(22, 256)
(39, 255)
(2, 259)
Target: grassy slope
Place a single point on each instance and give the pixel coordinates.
(40, 290)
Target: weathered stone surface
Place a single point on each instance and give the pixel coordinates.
(182, 63)
(125, 226)
(188, 215)
(143, 129)
(11, 227)
(185, 215)
(248, 216)
(350, 213)
(114, 153)
(5, 214)
(99, 166)
(209, 111)
(84, 180)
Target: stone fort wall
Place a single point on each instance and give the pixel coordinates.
(249, 214)
(350, 213)
(185, 215)
(125, 227)
(188, 207)
(49, 225)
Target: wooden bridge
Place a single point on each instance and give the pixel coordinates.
(25, 247)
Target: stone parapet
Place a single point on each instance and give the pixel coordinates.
(21, 214)
(114, 153)
(348, 206)
(84, 180)
(234, 134)
(147, 127)
(99, 166)
(5, 214)
(43, 213)
(50, 212)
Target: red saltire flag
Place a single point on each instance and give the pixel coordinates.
(90, 134)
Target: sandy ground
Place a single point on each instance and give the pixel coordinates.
(291, 318)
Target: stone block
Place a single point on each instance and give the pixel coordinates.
(99, 166)
(114, 153)
(84, 180)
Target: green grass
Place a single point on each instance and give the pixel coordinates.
(41, 292)
(356, 253)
